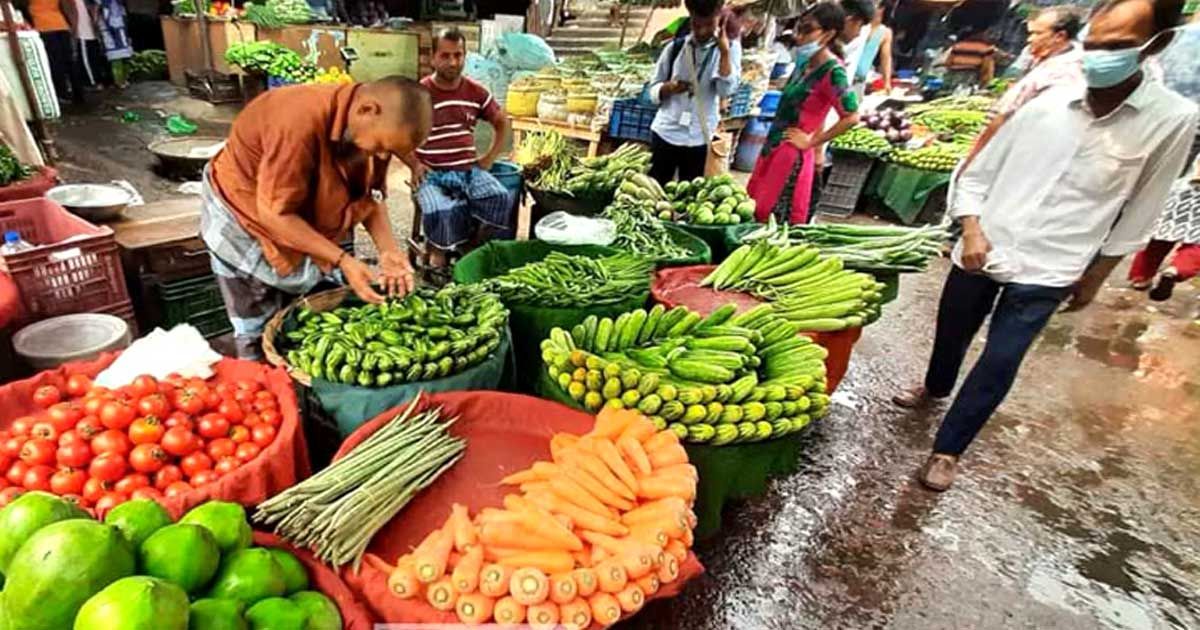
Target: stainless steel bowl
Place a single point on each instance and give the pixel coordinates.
(94, 202)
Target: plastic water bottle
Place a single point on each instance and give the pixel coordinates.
(13, 244)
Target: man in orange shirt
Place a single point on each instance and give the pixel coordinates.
(302, 166)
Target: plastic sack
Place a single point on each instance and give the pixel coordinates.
(562, 228)
(325, 580)
(504, 433)
(489, 72)
(181, 350)
(522, 51)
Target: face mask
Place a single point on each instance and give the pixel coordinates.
(804, 52)
(1106, 68)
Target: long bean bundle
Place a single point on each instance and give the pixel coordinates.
(863, 247)
(337, 511)
(565, 280)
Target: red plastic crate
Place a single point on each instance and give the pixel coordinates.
(74, 267)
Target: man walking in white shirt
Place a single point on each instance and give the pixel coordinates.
(1071, 184)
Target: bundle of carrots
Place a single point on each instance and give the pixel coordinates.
(588, 539)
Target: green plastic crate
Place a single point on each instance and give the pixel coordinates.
(195, 301)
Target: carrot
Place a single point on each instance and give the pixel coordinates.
(529, 586)
(441, 595)
(520, 477)
(585, 581)
(631, 598)
(526, 533)
(677, 550)
(581, 517)
(402, 582)
(538, 522)
(608, 453)
(466, 574)
(610, 422)
(596, 468)
(542, 616)
(688, 538)
(650, 534)
(654, 510)
(378, 563)
(430, 562)
(555, 561)
(494, 580)
(518, 503)
(599, 555)
(648, 584)
(657, 487)
(575, 493)
(668, 570)
(611, 576)
(534, 486)
(561, 443)
(686, 471)
(464, 530)
(508, 612)
(596, 489)
(562, 588)
(606, 610)
(633, 555)
(639, 429)
(667, 455)
(474, 609)
(633, 451)
(661, 439)
(575, 615)
(582, 558)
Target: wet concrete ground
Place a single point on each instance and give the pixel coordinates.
(1078, 506)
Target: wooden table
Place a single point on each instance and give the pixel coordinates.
(522, 124)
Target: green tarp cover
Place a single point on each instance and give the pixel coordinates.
(904, 190)
(717, 237)
(530, 324)
(350, 406)
(701, 253)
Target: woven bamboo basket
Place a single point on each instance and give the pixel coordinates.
(317, 302)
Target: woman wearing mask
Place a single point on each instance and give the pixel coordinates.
(783, 177)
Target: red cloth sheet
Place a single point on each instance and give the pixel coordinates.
(10, 300)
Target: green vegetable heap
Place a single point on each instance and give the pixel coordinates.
(11, 169)
(729, 377)
(935, 157)
(862, 140)
(634, 212)
(709, 201)
(562, 280)
(429, 334)
(812, 291)
(148, 65)
(863, 247)
(952, 121)
(546, 158)
(270, 59)
(598, 176)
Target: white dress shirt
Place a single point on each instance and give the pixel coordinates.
(1056, 186)
(677, 120)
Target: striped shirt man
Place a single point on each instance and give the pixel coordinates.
(451, 143)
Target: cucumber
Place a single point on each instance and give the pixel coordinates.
(633, 328)
(718, 317)
(684, 325)
(589, 332)
(603, 334)
(651, 324)
(700, 371)
(823, 325)
(614, 341)
(668, 321)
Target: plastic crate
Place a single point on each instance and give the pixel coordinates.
(840, 195)
(739, 105)
(74, 266)
(631, 120)
(196, 301)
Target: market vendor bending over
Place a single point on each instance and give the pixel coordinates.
(460, 200)
(302, 166)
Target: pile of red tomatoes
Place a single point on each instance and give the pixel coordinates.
(150, 439)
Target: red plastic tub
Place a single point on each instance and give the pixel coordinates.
(681, 286)
(35, 186)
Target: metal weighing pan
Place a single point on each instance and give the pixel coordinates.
(184, 158)
(94, 202)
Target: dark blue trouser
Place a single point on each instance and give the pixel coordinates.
(1020, 313)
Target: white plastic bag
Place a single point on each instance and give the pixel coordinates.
(562, 228)
(182, 350)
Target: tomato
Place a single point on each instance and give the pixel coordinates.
(68, 481)
(92, 406)
(213, 426)
(248, 385)
(243, 397)
(78, 385)
(76, 455)
(195, 463)
(146, 430)
(179, 419)
(117, 415)
(70, 436)
(147, 458)
(212, 399)
(149, 494)
(38, 478)
(189, 401)
(232, 411)
(111, 441)
(46, 395)
(5, 462)
(264, 404)
(226, 465)
(107, 467)
(176, 489)
(221, 447)
(16, 473)
(12, 446)
(167, 475)
(263, 434)
(38, 451)
(143, 386)
(64, 415)
(8, 494)
(44, 431)
(179, 441)
(224, 390)
(89, 427)
(94, 488)
(131, 482)
(154, 405)
(239, 434)
(108, 501)
(175, 378)
(21, 425)
(204, 477)
(248, 451)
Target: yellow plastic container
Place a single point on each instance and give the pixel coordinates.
(581, 102)
(522, 101)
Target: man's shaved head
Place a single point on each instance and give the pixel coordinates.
(391, 115)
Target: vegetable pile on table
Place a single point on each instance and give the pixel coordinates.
(972, 103)
(599, 176)
(940, 157)
(426, 335)
(709, 201)
(729, 377)
(634, 212)
(863, 247)
(270, 59)
(953, 121)
(862, 140)
(99, 447)
(892, 125)
(148, 65)
(137, 569)
(546, 158)
(337, 511)
(813, 291)
(591, 535)
(566, 280)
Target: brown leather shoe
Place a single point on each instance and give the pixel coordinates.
(914, 397)
(939, 471)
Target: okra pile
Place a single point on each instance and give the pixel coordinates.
(729, 377)
(426, 335)
(565, 280)
(811, 290)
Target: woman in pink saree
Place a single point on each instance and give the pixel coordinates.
(782, 180)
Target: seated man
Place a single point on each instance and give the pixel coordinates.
(459, 198)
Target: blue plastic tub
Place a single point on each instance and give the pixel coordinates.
(769, 102)
(509, 175)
